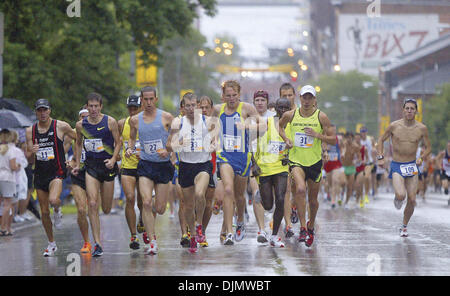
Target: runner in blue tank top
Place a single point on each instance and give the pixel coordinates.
(233, 156)
(99, 135)
(155, 170)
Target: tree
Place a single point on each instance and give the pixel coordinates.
(437, 120)
(49, 54)
(348, 99)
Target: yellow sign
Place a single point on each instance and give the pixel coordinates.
(185, 91)
(342, 130)
(145, 75)
(419, 115)
(358, 127)
(384, 123)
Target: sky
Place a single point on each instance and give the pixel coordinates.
(255, 27)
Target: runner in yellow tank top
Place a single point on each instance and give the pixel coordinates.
(305, 155)
(128, 173)
(274, 174)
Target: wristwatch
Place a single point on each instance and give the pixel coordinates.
(380, 157)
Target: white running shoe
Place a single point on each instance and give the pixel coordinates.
(51, 249)
(18, 219)
(57, 218)
(152, 248)
(276, 242)
(240, 232)
(262, 237)
(228, 240)
(398, 203)
(403, 232)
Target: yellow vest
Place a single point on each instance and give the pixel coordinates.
(132, 161)
(306, 150)
(270, 151)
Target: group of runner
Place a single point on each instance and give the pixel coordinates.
(207, 156)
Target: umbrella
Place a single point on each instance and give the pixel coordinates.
(18, 106)
(13, 119)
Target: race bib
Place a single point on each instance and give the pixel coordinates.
(93, 145)
(137, 146)
(231, 143)
(152, 147)
(332, 156)
(303, 141)
(408, 170)
(45, 154)
(276, 147)
(196, 144)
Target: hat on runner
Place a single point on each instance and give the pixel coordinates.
(42, 103)
(308, 89)
(134, 101)
(363, 129)
(261, 93)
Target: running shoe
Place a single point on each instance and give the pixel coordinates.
(366, 199)
(87, 248)
(193, 245)
(240, 231)
(98, 251)
(152, 249)
(333, 205)
(223, 237)
(51, 249)
(140, 227)
(288, 232)
(145, 238)
(398, 203)
(261, 237)
(228, 241)
(302, 235)
(294, 215)
(200, 237)
(204, 244)
(276, 243)
(361, 203)
(57, 218)
(310, 238)
(403, 231)
(184, 242)
(134, 244)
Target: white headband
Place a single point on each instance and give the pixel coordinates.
(82, 111)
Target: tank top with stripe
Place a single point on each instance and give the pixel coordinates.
(233, 142)
(196, 139)
(153, 137)
(98, 139)
(50, 158)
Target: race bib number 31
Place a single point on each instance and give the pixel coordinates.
(303, 141)
(409, 170)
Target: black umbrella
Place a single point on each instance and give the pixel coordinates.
(13, 119)
(18, 106)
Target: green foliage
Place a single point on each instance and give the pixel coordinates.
(48, 54)
(361, 105)
(436, 118)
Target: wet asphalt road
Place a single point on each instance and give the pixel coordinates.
(348, 242)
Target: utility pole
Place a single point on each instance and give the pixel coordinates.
(2, 18)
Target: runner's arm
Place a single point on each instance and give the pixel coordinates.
(134, 123)
(328, 136)
(173, 139)
(114, 128)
